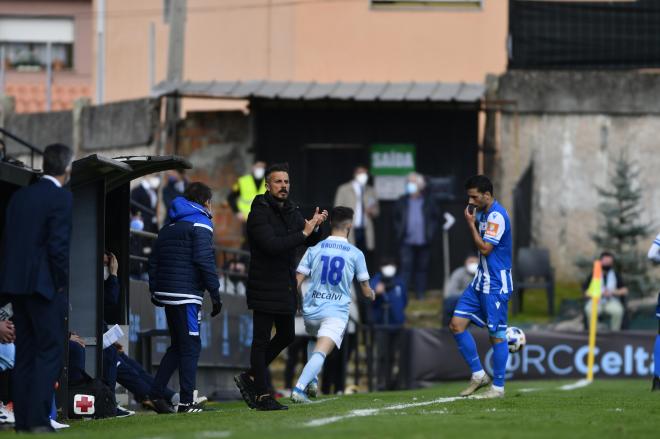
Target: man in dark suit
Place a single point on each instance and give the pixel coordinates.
(34, 276)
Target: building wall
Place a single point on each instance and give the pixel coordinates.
(333, 41)
(573, 134)
(29, 88)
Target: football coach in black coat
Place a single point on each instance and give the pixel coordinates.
(275, 229)
(34, 276)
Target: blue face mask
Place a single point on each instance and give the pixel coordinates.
(137, 224)
(411, 188)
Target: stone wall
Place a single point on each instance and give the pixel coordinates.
(572, 126)
(219, 146)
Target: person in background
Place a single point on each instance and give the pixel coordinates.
(416, 221)
(144, 200)
(137, 246)
(244, 191)
(7, 361)
(614, 289)
(360, 197)
(34, 277)
(654, 256)
(175, 187)
(389, 310)
(457, 283)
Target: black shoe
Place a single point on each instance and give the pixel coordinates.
(159, 405)
(245, 385)
(656, 384)
(190, 408)
(268, 403)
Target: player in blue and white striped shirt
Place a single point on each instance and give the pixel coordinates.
(331, 265)
(485, 301)
(654, 255)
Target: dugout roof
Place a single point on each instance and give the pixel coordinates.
(460, 92)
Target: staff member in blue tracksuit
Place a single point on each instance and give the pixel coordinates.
(181, 267)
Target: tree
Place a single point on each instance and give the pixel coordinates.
(620, 225)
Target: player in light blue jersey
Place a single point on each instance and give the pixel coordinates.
(331, 266)
(654, 255)
(485, 301)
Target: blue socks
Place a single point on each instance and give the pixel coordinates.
(500, 357)
(311, 370)
(468, 349)
(656, 356)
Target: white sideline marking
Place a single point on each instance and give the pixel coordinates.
(321, 401)
(529, 390)
(576, 385)
(213, 434)
(371, 412)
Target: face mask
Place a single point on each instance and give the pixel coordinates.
(607, 267)
(154, 182)
(411, 188)
(180, 186)
(472, 267)
(137, 224)
(258, 173)
(106, 272)
(362, 178)
(388, 270)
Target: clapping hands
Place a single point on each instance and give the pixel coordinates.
(318, 219)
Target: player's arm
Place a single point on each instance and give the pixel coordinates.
(484, 247)
(367, 291)
(300, 278)
(302, 272)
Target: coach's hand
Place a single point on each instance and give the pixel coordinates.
(217, 307)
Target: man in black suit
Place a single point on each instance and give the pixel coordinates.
(34, 276)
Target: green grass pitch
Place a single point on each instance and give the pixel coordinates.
(531, 409)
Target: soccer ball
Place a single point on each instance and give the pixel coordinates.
(515, 338)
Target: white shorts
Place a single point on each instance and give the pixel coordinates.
(333, 328)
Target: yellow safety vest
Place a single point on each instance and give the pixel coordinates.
(247, 191)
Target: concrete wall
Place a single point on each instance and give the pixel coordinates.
(572, 126)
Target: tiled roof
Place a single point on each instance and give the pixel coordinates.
(31, 98)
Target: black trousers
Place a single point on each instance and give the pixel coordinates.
(183, 353)
(40, 339)
(264, 348)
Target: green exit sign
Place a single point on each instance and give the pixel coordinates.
(392, 159)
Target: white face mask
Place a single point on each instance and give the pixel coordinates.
(472, 267)
(388, 270)
(362, 178)
(106, 272)
(154, 182)
(258, 173)
(411, 187)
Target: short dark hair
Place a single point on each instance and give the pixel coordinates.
(277, 167)
(480, 183)
(341, 215)
(607, 253)
(57, 157)
(198, 193)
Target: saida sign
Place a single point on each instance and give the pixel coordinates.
(392, 159)
(390, 164)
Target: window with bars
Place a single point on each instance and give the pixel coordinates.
(25, 42)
